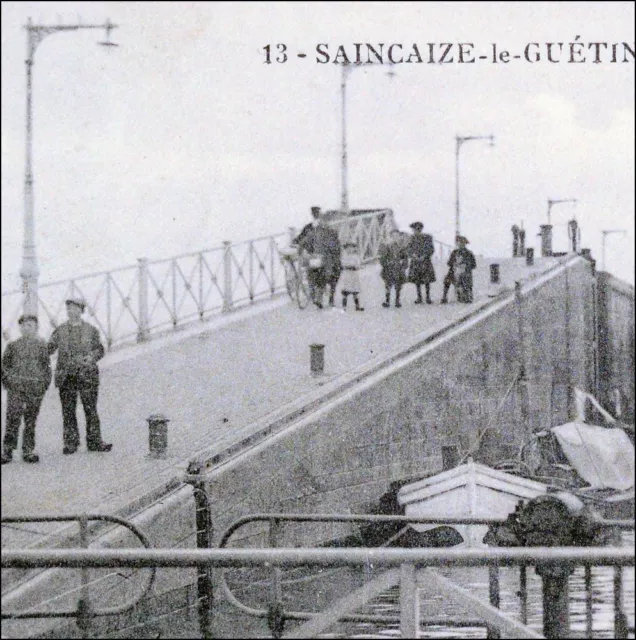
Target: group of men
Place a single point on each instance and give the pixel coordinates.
(411, 261)
(401, 261)
(26, 374)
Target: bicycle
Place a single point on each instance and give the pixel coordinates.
(296, 279)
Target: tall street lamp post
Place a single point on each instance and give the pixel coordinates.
(459, 140)
(344, 185)
(605, 233)
(29, 271)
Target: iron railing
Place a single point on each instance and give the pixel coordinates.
(133, 303)
(85, 611)
(274, 536)
(409, 561)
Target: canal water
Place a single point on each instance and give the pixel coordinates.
(475, 580)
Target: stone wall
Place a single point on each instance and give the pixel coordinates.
(616, 345)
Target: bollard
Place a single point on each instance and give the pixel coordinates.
(546, 240)
(529, 257)
(317, 359)
(157, 435)
(494, 273)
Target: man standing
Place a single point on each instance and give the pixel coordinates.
(322, 244)
(394, 260)
(421, 271)
(26, 374)
(76, 374)
(460, 272)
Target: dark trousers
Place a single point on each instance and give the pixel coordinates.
(387, 291)
(21, 405)
(418, 289)
(316, 278)
(68, 396)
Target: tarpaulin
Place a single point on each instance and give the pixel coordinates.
(603, 457)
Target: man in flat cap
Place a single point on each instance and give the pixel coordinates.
(26, 375)
(460, 272)
(79, 348)
(421, 271)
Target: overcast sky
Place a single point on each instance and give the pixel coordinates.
(182, 137)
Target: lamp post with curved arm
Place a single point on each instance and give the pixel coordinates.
(459, 140)
(29, 272)
(344, 188)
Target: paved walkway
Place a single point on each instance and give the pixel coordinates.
(214, 384)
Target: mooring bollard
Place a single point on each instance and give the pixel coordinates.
(529, 257)
(317, 359)
(494, 273)
(157, 435)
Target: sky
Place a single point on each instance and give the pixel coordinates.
(183, 137)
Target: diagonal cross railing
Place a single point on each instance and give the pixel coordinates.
(133, 303)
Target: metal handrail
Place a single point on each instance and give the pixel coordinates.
(274, 519)
(82, 519)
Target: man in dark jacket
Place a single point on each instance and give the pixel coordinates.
(80, 348)
(460, 272)
(26, 374)
(322, 244)
(421, 271)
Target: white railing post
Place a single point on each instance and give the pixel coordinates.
(409, 601)
(227, 275)
(273, 249)
(142, 275)
(251, 266)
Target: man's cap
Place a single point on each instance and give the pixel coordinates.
(315, 211)
(462, 239)
(77, 301)
(416, 225)
(27, 316)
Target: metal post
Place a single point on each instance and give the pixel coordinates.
(523, 593)
(109, 312)
(493, 594)
(29, 271)
(174, 294)
(84, 609)
(317, 359)
(227, 276)
(203, 521)
(409, 601)
(458, 143)
(276, 617)
(272, 253)
(201, 310)
(620, 620)
(588, 601)
(344, 195)
(251, 265)
(556, 605)
(142, 275)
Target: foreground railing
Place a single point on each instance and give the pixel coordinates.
(133, 303)
(414, 566)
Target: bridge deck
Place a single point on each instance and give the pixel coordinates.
(212, 386)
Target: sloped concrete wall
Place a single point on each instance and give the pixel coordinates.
(344, 457)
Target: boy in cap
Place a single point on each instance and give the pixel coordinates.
(26, 374)
(79, 347)
(460, 273)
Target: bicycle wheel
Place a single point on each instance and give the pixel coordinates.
(302, 297)
(291, 280)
